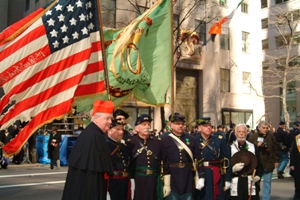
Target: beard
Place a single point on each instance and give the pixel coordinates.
(241, 139)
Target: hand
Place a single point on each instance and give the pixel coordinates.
(200, 184)
(227, 185)
(276, 164)
(167, 187)
(238, 167)
(292, 167)
(259, 144)
(255, 179)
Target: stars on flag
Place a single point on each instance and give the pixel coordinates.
(68, 23)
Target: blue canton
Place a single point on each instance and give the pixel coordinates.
(68, 22)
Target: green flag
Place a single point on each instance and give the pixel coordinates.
(139, 59)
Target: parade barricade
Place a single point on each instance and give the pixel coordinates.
(42, 148)
(66, 146)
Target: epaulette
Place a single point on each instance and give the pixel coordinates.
(159, 138)
(220, 137)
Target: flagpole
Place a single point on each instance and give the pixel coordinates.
(103, 50)
(172, 62)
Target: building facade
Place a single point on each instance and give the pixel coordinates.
(274, 32)
(217, 79)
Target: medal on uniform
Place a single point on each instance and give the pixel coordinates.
(187, 141)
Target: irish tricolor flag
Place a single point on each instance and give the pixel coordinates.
(217, 27)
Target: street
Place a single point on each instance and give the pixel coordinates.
(32, 183)
(37, 182)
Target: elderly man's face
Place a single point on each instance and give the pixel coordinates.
(143, 128)
(177, 127)
(263, 128)
(241, 133)
(103, 121)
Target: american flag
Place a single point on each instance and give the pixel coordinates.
(47, 63)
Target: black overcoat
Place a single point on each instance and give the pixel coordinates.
(88, 162)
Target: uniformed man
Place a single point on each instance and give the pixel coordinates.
(118, 184)
(215, 153)
(149, 162)
(293, 134)
(122, 115)
(295, 161)
(183, 156)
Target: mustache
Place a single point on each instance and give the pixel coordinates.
(148, 130)
(241, 139)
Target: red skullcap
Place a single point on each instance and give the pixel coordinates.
(103, 107)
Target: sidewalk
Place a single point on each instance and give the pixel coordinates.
(26, 165)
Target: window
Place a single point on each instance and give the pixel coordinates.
(246, 82)
(237, 116)
(27, 5)
(264, 23)
(245, 42)
(280, 1)
(265, 44)
(244, 7)
(224, 41)
(223, 2)
(264, 3)
(281, 42)
(295, 15)
(225, 80)
(293, 62)
(281, 63)
(265, 64)
(108, 13)
(200, 28)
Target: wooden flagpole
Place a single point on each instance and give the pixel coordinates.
(103, 50)
(172, 64)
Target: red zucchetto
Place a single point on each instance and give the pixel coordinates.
(103, 107)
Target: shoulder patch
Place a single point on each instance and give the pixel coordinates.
(220, 137)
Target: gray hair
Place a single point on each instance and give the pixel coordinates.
(98, 114)
(243, 125)
(263, 122)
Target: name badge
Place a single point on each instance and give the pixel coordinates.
(260, 139)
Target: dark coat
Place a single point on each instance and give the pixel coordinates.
(145, 185)
(88, 161)
(216, 151)
(118, 187)
(283, 139)
(53, 151)
(268, 154)
(295, 161)
(182, 179)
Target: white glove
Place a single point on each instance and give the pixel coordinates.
(255, 179)
(167, 183)
(227, 185)
(132, 187)
(200, 184)
(238, 167)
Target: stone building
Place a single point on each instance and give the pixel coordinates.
(274, 54)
